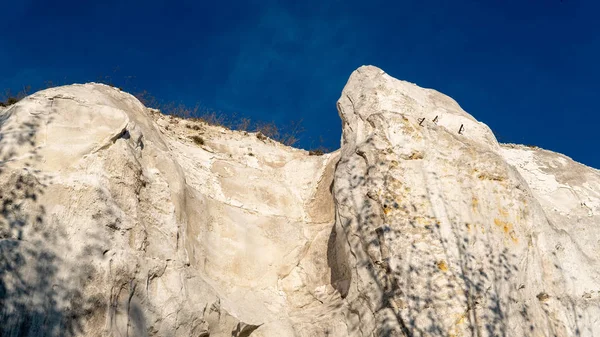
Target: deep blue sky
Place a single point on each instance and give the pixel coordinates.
(529, 69)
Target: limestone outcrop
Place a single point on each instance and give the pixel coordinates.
(117, 220)
(441, 231)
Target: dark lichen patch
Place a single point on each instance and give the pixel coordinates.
(488, 176)
(415, 156)
(543, 297)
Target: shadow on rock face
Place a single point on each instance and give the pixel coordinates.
(40, 293)
(340, 270)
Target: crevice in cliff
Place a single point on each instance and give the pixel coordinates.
(132, 286)
(244, 330)
(122, 133)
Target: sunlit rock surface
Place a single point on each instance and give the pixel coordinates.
(440, 231)
(115, 222)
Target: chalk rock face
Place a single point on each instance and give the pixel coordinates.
(438, 234)
(114, 222)
(117, 220)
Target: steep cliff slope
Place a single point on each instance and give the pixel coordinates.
(119, 221)
(437, 232)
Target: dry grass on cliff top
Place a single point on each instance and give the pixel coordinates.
(288, 134)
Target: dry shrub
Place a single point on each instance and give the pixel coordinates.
(179, 110)
(10, 99)
(260, 136)
(147, 99)
(288, 135)
(292, 133)
(193, 127)
(197, 140)
(213, 118)
(268, 130)
(243, 124)
(320, 149)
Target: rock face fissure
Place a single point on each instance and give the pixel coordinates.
(117, 220)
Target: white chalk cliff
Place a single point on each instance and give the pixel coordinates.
(114, 222)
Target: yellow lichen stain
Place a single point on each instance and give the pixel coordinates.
(474, 204)
(386, 210)
(488, 176)
(503, 212)
(442, 265)
(461, 319)
(422, 221)
(507, 227)
(415, 156)
(469, 227)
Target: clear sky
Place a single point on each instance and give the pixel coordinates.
(529, 69)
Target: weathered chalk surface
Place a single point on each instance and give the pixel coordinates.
(114, 222)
